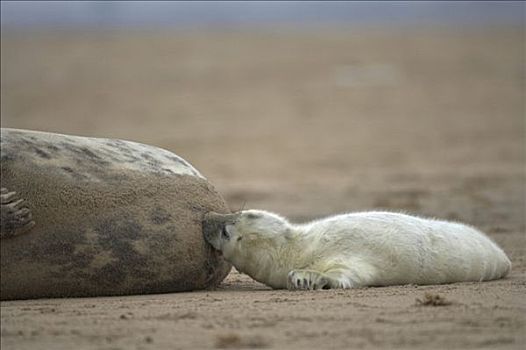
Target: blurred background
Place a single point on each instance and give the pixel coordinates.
(304, 108)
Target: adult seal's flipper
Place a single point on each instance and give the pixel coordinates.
(16, 218)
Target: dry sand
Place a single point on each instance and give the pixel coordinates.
(306, 123)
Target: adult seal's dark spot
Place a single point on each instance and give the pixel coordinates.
(92, 217)
(160, 216)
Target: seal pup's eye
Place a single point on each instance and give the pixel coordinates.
(224, 233)
(253, 216)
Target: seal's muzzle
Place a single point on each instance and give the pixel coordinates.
(214, 227)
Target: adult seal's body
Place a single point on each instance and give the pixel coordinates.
(354, 250)
(90, 217)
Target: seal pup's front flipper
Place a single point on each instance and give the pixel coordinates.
(308, 280)
(359, 275)
(16, 218)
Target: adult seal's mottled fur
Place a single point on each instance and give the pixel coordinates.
(91, 217)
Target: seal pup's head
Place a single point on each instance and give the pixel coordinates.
(250, 239)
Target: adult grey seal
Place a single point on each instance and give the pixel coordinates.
(92, 217)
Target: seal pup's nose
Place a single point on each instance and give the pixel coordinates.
(213, 223)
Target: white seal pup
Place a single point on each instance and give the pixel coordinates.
(354, 250)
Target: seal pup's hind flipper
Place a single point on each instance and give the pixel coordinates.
(16, 217)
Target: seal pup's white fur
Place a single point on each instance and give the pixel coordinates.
(354, 250)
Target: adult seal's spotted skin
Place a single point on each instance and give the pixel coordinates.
(91, 217)
(354, 250)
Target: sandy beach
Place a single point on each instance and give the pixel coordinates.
(306, 123)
